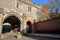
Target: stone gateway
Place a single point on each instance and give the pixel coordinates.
(20, 14)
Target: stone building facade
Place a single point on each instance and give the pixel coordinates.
(21, 13)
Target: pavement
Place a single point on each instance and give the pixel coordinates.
(57, 36)
(8, 36)
(29, 38)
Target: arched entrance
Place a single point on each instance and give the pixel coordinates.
(29, 27)
(14, 21)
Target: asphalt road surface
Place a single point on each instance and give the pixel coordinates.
(29, 38)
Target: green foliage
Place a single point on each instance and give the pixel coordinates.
(55, 15)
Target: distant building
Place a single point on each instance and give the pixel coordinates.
(21, 13)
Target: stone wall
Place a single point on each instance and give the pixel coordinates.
(8, 3)
(1, 16)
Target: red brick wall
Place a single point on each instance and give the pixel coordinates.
(48, 25)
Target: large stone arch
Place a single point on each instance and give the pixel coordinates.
(13, 14)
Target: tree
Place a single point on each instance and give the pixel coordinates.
(53, 5)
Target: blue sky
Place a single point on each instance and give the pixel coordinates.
(42, 2)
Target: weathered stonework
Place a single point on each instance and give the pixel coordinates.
(19, 9)
(1, 16)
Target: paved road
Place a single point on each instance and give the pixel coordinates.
(42, 38)
(23, 38)
(46, 35)
(29, 38)
(9, 36)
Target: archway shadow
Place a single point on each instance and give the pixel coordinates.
(6, 28)
(14, 21)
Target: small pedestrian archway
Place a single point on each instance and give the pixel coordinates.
(29, 27)
(13, 21)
